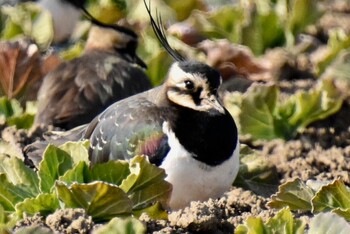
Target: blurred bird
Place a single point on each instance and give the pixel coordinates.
(78, 90)
(181, 126)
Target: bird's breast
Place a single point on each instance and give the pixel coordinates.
(193, 180)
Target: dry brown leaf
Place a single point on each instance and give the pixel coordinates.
(231, 59)
(22, 69)
(19, 66)
(186, 33)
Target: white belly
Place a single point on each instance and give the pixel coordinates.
(193, 180)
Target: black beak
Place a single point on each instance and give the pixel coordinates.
(139, 61)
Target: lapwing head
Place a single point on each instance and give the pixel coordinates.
(189, 84)
(194, 85)
(112, 37)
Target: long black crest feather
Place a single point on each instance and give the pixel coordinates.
(79, 4)
(159, 31)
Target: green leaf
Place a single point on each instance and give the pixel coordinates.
(158, 67)
(14, 115)
(7, 221)
(318, 103)
(77, 150)
(220, 24)
(137, 12)
(328, 223)
(264, 115)
(146, 183)
(256, 173)
(233, 102)
(43, 31)
(3, 216)
(10, 108)
(11, 194)
(142, 174)
(282, 223)
(31, 107)
(155, 212)
(19, 20)
(265, 30)
(345, 213)
(332, 196)
(72, 52)
(54, 164)
(24, 121)
(101, 200)
(295, 194)
(183, 9)
(79, 173)
(258, 112)
(339, 70)
(18, 173)
(338, 40)
(251, 225)
(122, 226)
(301, 14)
(107, 11)
(44, 204)
(157, 191)
(30, 20)
(113, 172)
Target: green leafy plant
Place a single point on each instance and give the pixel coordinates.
(332, 197)
(65, 180)
(256, 173)
(30, 20)
(120, 226)
(263, 115)
(337, 42)
(258, 24)
(108, 11)
(328, 223)
(284, 223)
(12, 114)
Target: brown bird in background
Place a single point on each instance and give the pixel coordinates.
(109, 70)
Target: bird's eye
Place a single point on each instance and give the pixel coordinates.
(189, 84)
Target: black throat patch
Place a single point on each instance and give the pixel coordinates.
(210, 138)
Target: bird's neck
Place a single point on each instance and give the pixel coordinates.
(211, 139)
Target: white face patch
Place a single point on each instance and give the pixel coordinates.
(200, 98)
(178, 77)
(193, 180)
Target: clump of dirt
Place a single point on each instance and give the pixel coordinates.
(213, 216)
(36, 220)
(300, 159)
(62, 221)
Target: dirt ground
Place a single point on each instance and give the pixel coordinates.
(321, 152)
